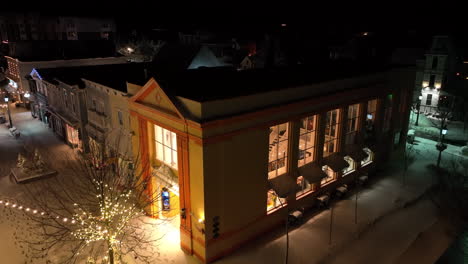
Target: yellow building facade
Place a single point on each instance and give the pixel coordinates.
(232, 166)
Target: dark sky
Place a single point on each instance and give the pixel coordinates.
(254, 15)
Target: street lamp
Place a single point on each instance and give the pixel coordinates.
(441, 146)
(418, 106)
(9, 115)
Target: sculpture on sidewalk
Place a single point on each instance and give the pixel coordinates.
(21, 162)
(30, 166)
(36, 165)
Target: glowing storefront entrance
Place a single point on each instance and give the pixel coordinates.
(165, 180)
(72, 136)
(166, 185)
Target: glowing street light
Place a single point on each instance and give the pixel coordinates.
(441, 146)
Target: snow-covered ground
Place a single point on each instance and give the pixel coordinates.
(392, 212)
(427, 127)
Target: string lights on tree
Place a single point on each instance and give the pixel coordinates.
(94, 212)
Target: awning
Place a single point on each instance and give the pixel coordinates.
(336, 162)
(356, 153)
(312, 172)
(283, 185)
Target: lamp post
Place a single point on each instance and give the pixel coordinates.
(441, 146)
(9, 114)
(418, 106)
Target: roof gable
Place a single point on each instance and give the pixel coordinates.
(153, 96)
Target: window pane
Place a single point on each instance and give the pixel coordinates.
(282, 165)
(283, 148)
(278, 150)
(167, 137)
(174, 141)
(159, 151)
(158, 132)
(283, 131)
(174, 159)
(167, 156)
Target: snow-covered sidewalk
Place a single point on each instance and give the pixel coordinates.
(392, 211)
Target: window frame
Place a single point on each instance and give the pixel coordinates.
(429, 99)
(352, 130)
(162, 148)
(331, 125)
(284, 159)
(312, 134)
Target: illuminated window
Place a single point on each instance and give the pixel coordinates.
(307, 140)
(72, 135)
(273, 200)
(331, 132)
(369, 158)
(278, 150)
(352, 124)
(351, 167)
(166, 146)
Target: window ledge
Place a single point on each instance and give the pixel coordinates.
(271, 211)
(327, 183)
(347, 173)
(302, 195)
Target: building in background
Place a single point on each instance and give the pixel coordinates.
(90, 100)
(231, 151)
(19, 70)
(65, 111)
(440, 79)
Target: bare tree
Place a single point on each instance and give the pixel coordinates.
(93, 212)
(443, 115)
